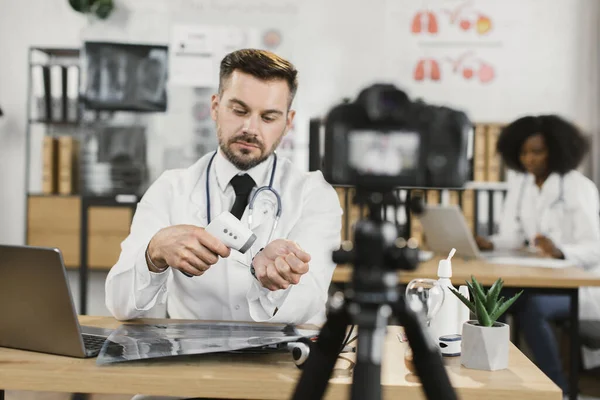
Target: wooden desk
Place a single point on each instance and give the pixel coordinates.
(243, 376)
(565, 281)
(487, 273)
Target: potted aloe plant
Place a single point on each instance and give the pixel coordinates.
(485, 341)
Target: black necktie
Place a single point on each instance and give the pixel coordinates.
(242, 184)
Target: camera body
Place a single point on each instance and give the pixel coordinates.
(383, 140)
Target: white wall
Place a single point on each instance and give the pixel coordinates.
(544, 55)
(46, 23)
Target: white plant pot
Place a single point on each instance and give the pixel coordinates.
(485, 347)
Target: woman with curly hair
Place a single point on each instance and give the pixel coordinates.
(553, 208)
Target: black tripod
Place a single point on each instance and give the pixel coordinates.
(368, 303)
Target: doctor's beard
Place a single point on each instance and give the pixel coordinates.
(243, 159)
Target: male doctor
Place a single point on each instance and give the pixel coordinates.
(291, 273)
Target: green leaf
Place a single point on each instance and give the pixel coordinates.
(490, 304)
(482, 315)
(498, 305)
(471, 289)
(492, 296)
(465, 301)
(502, 309)
(479, 293)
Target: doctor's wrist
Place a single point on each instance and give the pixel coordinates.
(252, 270)
(153, 261)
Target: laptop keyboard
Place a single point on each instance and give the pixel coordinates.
(93, 344)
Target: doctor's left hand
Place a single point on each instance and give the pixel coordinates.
(547, 246)
(280, 264)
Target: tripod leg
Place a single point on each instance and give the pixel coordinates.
(322, 357)
(372, 323)
(427, 359)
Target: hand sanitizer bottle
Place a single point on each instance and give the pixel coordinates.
(446, 320)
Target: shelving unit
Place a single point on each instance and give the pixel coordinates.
(43, 210)
(87, 228)
(41, 105)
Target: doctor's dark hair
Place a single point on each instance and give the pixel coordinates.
(567, 146)
(261, 64)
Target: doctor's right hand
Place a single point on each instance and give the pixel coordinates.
(187, 248)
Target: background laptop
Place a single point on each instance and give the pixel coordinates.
(36, 307)
(445, 227)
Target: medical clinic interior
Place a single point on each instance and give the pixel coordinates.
(299, 199)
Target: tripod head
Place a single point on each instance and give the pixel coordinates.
(378, 254)
(378, 251)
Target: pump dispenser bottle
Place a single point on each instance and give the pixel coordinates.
(445, 321)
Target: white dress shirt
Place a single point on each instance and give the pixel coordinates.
(311, 216)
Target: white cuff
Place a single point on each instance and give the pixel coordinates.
(149, 287)
(144, 277)
(263, 302)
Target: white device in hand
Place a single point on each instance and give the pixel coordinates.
(230, 230)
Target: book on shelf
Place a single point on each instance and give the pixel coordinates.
(54, 93)
(493, 161)
(68, 165)
(49, 165)
(487, 164)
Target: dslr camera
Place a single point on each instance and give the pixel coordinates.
(383, 140)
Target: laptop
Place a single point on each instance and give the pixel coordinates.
(36, 306)
(445, 228)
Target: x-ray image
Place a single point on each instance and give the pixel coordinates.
(125, 77)
(112, 77)
(132, 342)
(151, 76)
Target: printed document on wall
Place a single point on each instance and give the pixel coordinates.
(192, 52)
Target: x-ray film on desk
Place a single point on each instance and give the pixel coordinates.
(132, 342)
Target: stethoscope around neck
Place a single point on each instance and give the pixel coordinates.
(252, 199)
(559, 199)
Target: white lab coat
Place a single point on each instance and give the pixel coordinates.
(311, 216)
(573, 224)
